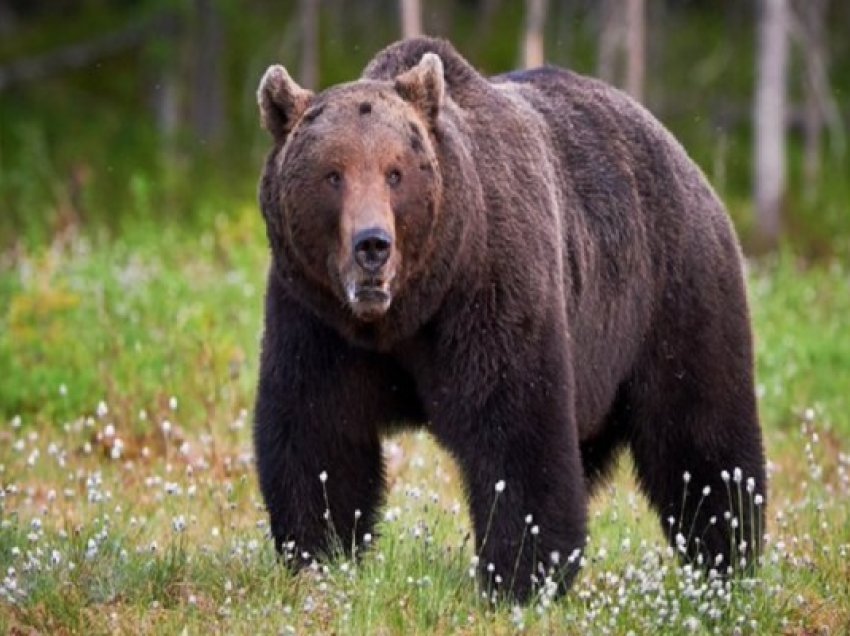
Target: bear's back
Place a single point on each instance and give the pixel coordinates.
(638, 214)
(611, 149)
(627, 181)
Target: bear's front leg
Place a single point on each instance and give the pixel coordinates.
(519, 455)
(322, 489)
(318, 410)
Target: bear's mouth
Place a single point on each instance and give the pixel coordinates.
(368, 300)
(371, 295)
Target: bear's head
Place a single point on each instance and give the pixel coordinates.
(351, 192)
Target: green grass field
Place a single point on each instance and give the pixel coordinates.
(128, 501)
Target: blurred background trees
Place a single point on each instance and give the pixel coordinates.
(143, 111)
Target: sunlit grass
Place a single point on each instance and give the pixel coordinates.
(128, 501)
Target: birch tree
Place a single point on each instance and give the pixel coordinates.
(769, 118)
(411, 18)
(309, 18)
(622, 44)
(635, 47)
(820, 111)
(533, 40)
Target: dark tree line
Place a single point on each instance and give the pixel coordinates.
(189, 88)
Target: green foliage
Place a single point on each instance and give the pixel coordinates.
(802, 318)
(132, 321)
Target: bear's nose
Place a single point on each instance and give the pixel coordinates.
(372, 248)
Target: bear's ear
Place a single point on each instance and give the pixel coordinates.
(424, 86)
(281, 101)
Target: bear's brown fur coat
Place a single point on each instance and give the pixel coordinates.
(529, 266)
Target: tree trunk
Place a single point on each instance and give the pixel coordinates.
(769, 115)
(166, 102)
(622, 44)
(820, 110)
(535, 18)
(635, 47)
(411, 18)
(309, 44)
(208, 102)
(610, 34)
(813, 14)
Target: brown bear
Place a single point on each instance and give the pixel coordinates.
(529, 267)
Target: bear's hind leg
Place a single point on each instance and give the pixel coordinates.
(698, 451)
(707, 486)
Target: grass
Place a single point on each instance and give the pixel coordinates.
(128, 501)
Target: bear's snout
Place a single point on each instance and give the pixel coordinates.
(369, 275)
(371, 249)
(369, 258)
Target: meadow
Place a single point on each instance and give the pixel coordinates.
(129, 504)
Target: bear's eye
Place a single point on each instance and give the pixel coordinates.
(393, 178)
(334, 178)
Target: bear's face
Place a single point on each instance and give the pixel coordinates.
(358, 182)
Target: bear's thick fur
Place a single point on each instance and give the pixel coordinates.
(528, 266)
